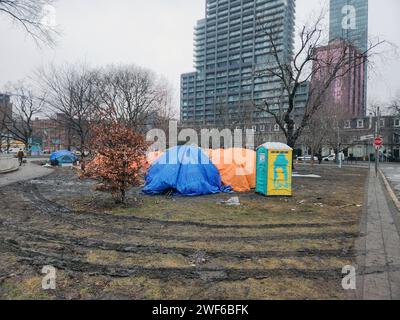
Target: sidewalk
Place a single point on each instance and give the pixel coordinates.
(28, 171)
(379, 246)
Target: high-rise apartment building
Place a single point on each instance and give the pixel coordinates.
(349, 22)
(231, 50)
(346, 92)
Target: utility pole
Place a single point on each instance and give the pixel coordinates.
(377, 132)
(340, 154)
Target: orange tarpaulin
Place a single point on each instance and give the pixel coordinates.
(237, 167)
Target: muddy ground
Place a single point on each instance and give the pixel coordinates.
(179, 248)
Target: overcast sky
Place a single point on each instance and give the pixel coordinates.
(158, 34)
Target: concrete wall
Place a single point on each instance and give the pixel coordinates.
(8, 164)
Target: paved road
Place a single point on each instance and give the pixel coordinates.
(28, 171)
(379, 246)
(392, 173)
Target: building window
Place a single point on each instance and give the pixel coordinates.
(254, 128)
(382, 123)
(276, 128)
(347, 124)
(360, 124)
(262, 127)
(397, 122)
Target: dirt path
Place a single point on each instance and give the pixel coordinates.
(27, 172)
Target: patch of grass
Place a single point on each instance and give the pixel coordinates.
(23, 289)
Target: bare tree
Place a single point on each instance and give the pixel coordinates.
(294, 72)
(26, 106)
(314, 135)
(165, 111)
(332, 119)
(71, 95)
(374, 106)
(395, 106)
(132, 95)
(32, 16)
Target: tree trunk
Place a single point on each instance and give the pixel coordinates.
(82, 145)
(291, 142)
(312, 157)
(123, 196)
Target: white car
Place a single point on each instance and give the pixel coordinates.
(332, 157)
(307, 158)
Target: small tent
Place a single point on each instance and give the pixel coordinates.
(184, 170)
(62, 157)
(237, 167)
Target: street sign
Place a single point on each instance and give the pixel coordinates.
(369, 137)
(378, 143)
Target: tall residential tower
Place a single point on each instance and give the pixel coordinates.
(349, 22)
(231, 49)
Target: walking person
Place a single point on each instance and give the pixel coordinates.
(320, 158)
(20, 156)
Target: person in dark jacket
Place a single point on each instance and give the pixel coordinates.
(20, 156)
(320, 158)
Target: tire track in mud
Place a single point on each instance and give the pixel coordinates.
(68, 241)
(66, 262)
(53, 208)
(199, 238)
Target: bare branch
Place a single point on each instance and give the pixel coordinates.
(31, 16)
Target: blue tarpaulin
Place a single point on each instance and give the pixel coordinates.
(63, 157)
(186, 171)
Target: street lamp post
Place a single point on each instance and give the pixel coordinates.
(377, 131)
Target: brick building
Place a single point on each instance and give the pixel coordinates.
(52, 134)
(355, 135)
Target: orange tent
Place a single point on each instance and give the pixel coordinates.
(237, 167)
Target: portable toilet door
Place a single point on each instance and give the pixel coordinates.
(274, 170)
(262, 171)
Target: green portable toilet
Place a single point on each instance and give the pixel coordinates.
(274, 169)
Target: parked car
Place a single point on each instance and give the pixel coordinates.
(307, 158)
(332, 157)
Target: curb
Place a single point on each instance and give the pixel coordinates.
(390, 190)
(9, 170)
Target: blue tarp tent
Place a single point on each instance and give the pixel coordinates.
(62, 157)
(186, 171)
